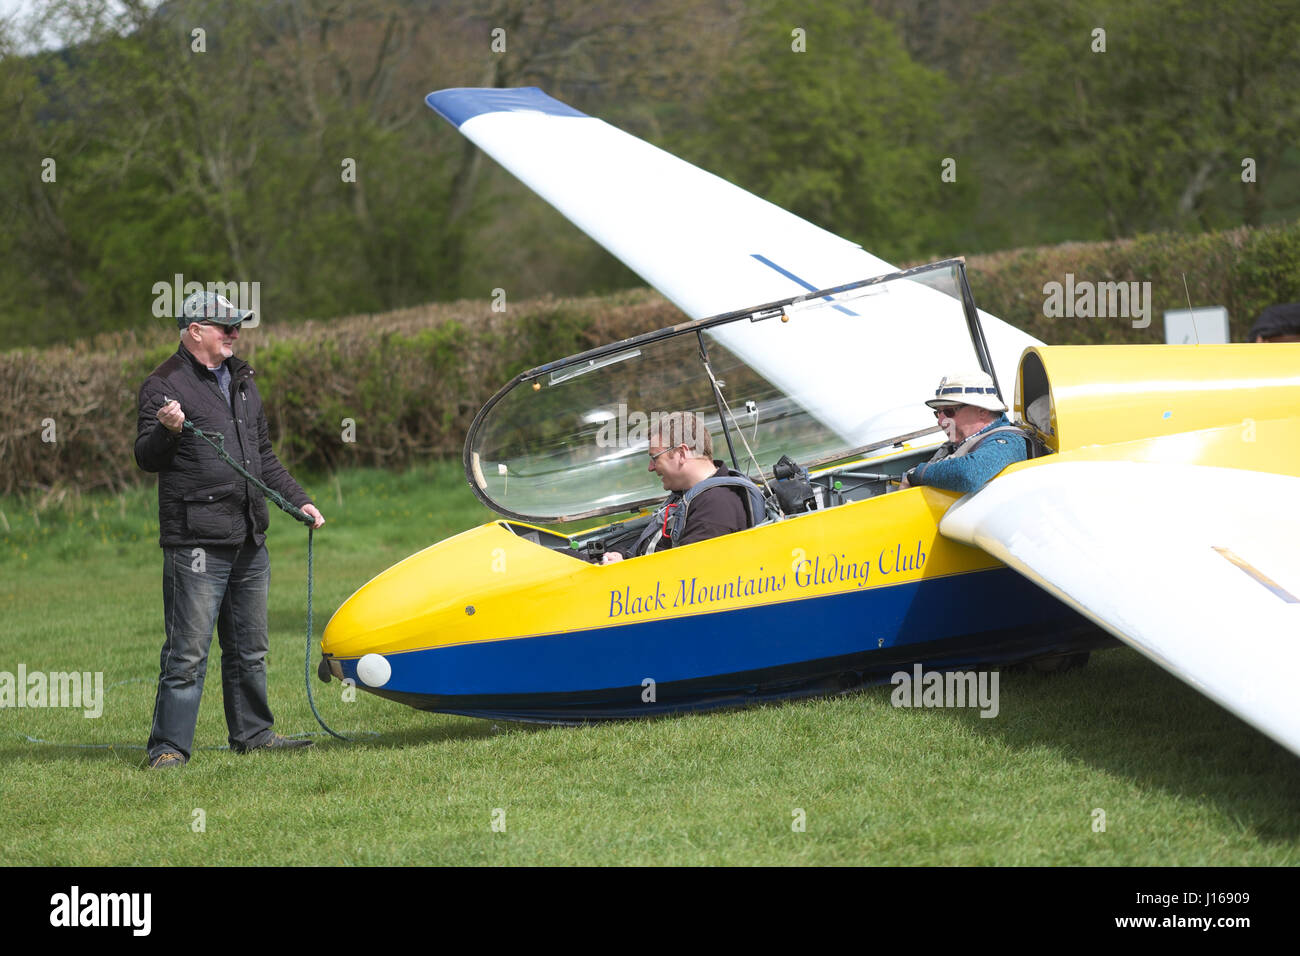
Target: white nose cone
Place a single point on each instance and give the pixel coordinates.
(374, 669)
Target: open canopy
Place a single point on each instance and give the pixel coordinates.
(800, 377)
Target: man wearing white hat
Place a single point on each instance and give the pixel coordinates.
(981, 441)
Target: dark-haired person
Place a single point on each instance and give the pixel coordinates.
(212, 528)
(1277, 323)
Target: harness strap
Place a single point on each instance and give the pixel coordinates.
(653, 530)
(669, 520)
(752, 498)
(970, 445)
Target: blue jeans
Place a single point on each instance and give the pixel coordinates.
(202, 587)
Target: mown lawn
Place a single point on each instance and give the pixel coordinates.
(1180, 781)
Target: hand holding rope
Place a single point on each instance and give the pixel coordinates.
(218, 443)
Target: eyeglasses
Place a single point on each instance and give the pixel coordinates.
(655, 456)
(221, 325)
(947, 411)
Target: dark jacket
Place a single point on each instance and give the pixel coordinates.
(202, 501)
(715, 512)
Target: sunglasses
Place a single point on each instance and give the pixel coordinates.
(221, 325)
(947, 411)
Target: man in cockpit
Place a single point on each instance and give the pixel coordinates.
(981, 440)
(706, 500)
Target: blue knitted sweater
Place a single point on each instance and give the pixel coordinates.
(971, 471)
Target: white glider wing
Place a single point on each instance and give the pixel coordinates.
(707, 245)
(712, 248)
(1197, 567)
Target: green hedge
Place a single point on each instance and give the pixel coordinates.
(411, 381)
(1243, 270)
(404, 386)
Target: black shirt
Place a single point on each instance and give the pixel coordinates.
(713, 512)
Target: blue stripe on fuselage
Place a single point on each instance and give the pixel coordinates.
(726, 642)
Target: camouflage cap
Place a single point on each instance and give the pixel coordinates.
(210, 307)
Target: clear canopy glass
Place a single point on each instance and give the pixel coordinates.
(817, 378)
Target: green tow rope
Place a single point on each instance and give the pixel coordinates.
(219, 445)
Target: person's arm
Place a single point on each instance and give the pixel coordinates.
(155, 443)
(276, 476)
(970, 472)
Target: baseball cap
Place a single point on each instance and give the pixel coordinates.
(210, 307)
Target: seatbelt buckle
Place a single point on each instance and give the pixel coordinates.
(668, 509)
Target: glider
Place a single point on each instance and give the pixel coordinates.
(1163, 514)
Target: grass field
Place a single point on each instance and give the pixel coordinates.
(1180, 780)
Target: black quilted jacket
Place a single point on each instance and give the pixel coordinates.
(202, 501)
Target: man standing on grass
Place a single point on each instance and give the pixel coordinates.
(212, 529)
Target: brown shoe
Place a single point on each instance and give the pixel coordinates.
(169, 759)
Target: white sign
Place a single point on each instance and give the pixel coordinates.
(1207, 325)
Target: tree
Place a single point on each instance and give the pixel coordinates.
(821, 111)
(211, 139)
(1147, 123)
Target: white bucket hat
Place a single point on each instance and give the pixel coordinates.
(967, 388)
